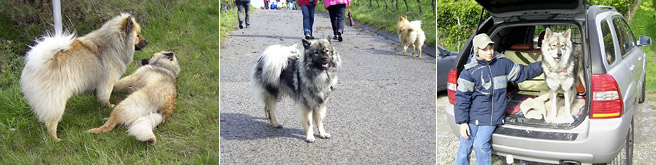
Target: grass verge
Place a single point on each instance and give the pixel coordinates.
(189, 136)
(387, 18)
(643, 25)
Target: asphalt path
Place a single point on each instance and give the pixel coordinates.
(382, 112)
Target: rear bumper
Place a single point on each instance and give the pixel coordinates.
(597, 141)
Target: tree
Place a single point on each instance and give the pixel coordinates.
(419, 4)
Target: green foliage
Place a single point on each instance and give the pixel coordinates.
(456, 21)
(189, 136)
(621, 6)
(643, 24)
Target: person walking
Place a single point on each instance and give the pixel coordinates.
(307, 8)
(481, 97)
(336, 9)
(242, 6)
(266, 4)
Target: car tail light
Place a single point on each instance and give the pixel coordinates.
(606, 98)
(452, 85)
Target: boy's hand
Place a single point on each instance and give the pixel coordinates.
(464, 130)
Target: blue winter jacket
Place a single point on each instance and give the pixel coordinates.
(481, 95)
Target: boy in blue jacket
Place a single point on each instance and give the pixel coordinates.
(481, 97)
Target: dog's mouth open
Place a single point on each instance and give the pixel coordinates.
(557, 59)
(324, 65)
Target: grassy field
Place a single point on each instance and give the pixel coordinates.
(643, 25)
(386, 19)
(229, 22)
(189, 136)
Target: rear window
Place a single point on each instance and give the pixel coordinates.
(609, 43)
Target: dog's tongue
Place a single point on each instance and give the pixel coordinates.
(557, 59)
(325, 65)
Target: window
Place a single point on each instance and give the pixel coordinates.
(622, 36)
(609, 43)
(630, 38)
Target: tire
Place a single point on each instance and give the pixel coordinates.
(642, 94)
(625, 157)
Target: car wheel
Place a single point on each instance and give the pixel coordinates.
(642, 94)
(625, 157)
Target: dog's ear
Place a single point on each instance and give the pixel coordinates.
(401, 18)
(567, 34)
(169, 55)
(128, 25)
(547, 33)
(145, 61)
(306, 43)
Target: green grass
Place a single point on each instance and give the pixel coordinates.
(643, 25)
(228, 22)
(189, 136)
(386, 19)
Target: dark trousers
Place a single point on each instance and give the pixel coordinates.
(241, 6)
(266, 4)
(337, 17)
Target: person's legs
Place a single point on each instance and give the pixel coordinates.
(247, 8)
(464, 149)
(307, 26)
(311, 11)
(240, 16)
(339, 17)
(482, 144)
(332, 13)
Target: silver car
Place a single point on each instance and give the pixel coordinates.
(614, 66)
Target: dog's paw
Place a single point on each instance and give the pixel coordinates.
(277, 125)
(96, 131)
(149, 140)
(310, 139)
(324, 135)
(569, 119)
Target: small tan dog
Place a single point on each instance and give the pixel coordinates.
(410, 33)
(61, 65)
(153, 89)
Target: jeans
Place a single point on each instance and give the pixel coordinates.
(241, 6)
(308, 18)
(480, 139)
(337, 18)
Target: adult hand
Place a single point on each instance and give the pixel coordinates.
(464, 130)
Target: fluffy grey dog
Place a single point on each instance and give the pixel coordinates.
(562, 65)
(308, 74)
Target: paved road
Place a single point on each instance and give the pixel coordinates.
(643, 152)
(383, 111)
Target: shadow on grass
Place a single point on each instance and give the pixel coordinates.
(235, 126)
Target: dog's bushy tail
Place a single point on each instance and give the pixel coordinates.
(419, 37)
(273, 61)
(46, 48)
(142, 129)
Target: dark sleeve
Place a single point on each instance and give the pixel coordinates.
(519, 73)
(463, 97)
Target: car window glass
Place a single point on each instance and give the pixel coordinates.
(608, 42)
(630, 38)
(621, 36)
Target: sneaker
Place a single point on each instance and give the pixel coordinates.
(339, 38)
(308, 37)
(241, 26)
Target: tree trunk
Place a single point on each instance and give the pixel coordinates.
(406, 5)
(433, 5)
(369, 3)
(419, 4)
(396, 3)
(385, 1)
(378, 3)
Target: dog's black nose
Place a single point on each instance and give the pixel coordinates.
(324, 58)
(559, 54)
